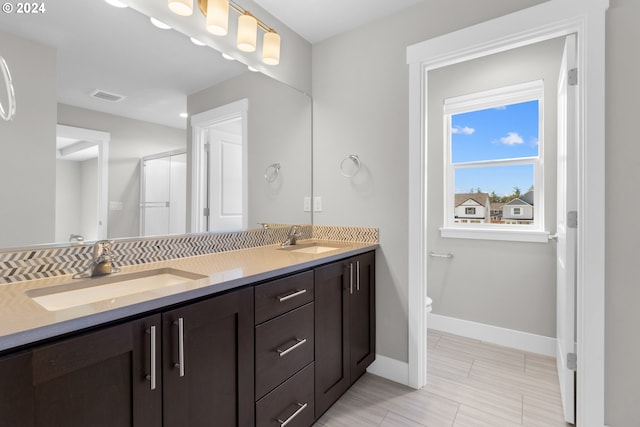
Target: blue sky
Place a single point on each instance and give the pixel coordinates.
(495, 133)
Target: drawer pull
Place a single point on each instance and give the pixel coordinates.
(291, 295)
(180, 363)
(301, 408)
(298, 343)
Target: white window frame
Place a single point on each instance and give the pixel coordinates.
(507, 95)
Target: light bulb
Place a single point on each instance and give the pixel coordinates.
(247, 32)
(218, 17)
(271, 48)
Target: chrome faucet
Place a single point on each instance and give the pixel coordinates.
(102, 262)
(295, 231)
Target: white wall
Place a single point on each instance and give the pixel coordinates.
(28, 145)
(279, 130)
(76, 199)
(622, 289)
(505, 284)
(361, 103)
(130, 141)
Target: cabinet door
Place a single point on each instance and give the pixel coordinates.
(332, 288)
(208, 353)
(362, 315)
(16, 403)
(99, 378)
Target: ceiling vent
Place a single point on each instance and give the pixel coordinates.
(107, 96)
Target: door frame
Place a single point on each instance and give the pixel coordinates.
(547, 20)
(200, 124)
(101, 140)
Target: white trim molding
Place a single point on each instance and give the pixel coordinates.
(558, 18)
(390, 369)
(519, 340)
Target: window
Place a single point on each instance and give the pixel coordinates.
(493, 157)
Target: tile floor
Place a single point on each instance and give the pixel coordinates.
(470, 383)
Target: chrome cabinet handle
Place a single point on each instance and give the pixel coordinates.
(351, 277)
(301, 407)
(180, 363)
(298, 343)
(291, 295)
(358, 276)
(152, 343)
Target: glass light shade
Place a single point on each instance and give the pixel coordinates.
(218, 17)
(181, 7)
(247, 32)
(271, 48)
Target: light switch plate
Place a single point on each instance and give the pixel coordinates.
(116, 206)
(317, 204)
(307, 204)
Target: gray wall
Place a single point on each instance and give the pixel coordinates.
(279, 130)
(622, 294)
(130, 141)
(361, 106)
(28, 145)
(506, 284)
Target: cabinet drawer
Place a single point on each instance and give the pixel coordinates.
(279, 296)
(292, 401)
(284, 345)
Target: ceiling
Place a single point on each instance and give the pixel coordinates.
(100, 47)
(317, 20)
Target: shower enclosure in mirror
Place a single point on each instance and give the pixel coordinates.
(81, 73)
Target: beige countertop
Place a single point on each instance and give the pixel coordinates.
(23, 321)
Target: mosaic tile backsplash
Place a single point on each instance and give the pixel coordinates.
(56, 261)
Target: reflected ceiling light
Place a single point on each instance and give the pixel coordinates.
(181, 7)
(247, 32)
(184, 115)
(271, 48)
(116, 3)
(159, 24)
(254, 70)
(196, 41)
(217, 13)
(228, 57)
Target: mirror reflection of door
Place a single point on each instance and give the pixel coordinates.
(220, 176)
(81, 184)
(225, 176)
(163, 197)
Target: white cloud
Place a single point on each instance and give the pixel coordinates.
(462, 130)
(512, 139)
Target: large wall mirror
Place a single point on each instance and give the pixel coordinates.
(128, 162)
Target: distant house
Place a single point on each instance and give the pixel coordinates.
(496, 212)
(472, 208)
(518, 210)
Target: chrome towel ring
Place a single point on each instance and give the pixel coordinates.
(10, 111)
(272, 172)
(350, 166)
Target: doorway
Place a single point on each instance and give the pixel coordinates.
(219, 200)
(82, 158)
(538, 23)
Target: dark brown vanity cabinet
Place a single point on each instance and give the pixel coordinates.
(192, 366)
(284, 339)
(207, 362)
(344, 326)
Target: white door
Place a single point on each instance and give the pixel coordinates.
(567, 211)
(226, 177)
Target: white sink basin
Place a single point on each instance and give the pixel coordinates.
(309, 249)
(108, 288)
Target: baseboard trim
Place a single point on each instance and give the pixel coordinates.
(390, 369)
(496, 335)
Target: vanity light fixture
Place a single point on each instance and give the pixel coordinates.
(217, 14)
(181, 7)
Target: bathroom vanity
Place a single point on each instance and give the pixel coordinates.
(266, 337)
